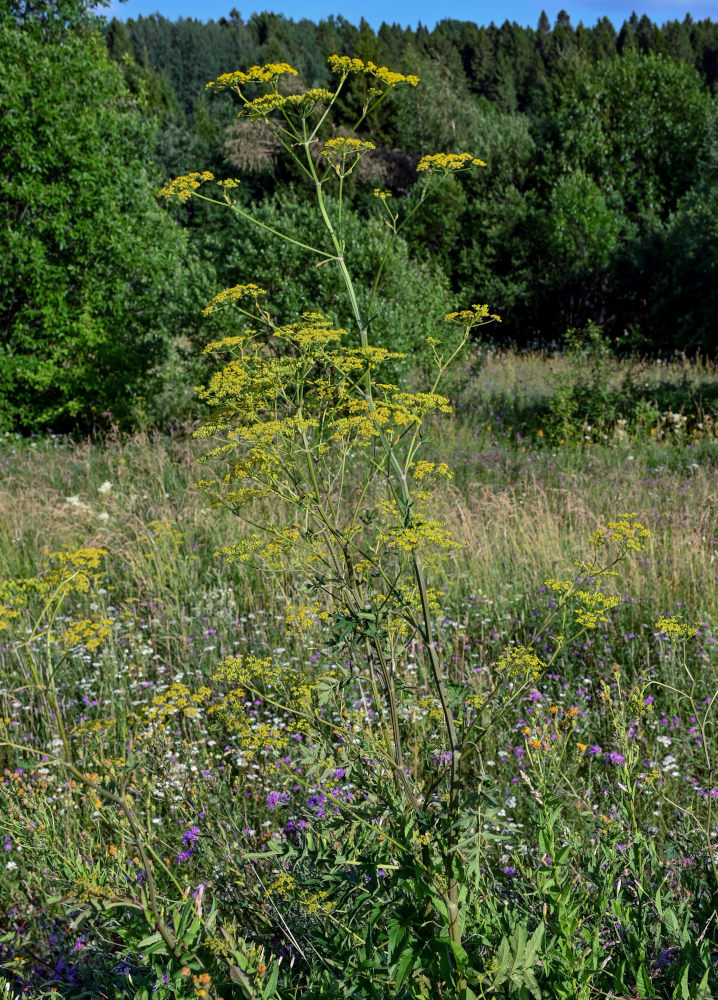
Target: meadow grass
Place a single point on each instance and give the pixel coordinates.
(622, 725)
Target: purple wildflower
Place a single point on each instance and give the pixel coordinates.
(190, 837)
(275, 799)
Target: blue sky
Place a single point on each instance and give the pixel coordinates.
(410, 12)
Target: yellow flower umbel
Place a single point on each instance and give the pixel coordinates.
(626, 532)
(87, 632)
(300, 104)
(519, 663)
(676, 628)
(447, 163)
(593, 604)
(475, 315)
(255, 74)
(234, 294)
(184, 187)
(344, 153)
(344, 65)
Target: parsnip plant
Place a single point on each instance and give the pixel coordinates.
(324, 460)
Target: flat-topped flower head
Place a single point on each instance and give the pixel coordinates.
(344, 146)
(676, 628)
(345, 65)
(301, 104)
(519, 663)
(446, 163)
(475, 315)
(234, 294)
(626, 532)
(255, 74)
(184, 187)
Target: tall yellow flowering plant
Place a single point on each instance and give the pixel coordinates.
(324, 462)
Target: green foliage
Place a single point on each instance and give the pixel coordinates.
(636, 126)
(296, 880)
(583, 404)
(88, 306)
(412, 297)
(592, 140)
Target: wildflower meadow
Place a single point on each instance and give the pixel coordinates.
(394, 676)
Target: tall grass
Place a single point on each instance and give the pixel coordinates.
(631, 844)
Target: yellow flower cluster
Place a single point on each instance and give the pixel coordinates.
(270, 551)
(257, 674)
(167, 531)
(177, 698)
(676, 628)
(431, 707)
(184, 187)
(420, 470)
(247, 670)
(255, 74)
(286, 888)
(300, 618)
(380, 193)
(314, 331)
(234, 294)
(342, 148)
(345, 65)
(446, 163)
(422, 533)
(241, 497)
(626, 532)
(594, 607)
(74, 572)
(594, 604)
(86, 632)
(6, 616)
(476, 315)
(520, 663)
(364, 358)
(250, 385)
(304, 103)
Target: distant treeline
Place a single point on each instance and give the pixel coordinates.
(600, 200)
(598, 208)
(516, 68)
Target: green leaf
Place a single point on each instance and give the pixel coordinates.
(643, 983)
(532, 984)
(239, 977)
(534, 945)
(270, 986)
(561, 856)
(148, 941)
(504, 958)
(671, 921)
(406, 964)
(685, 991)
(460, 954)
